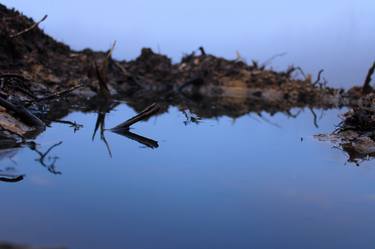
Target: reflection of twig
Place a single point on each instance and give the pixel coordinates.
(50, 167)
(190, 118)
(140, 139)
(29, 28)
(102, 137)
(293, 115)
(6, 177)
(315, 118)
(72, 124)
(100, 124)
(268, 121)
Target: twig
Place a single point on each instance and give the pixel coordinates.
(109, 53)
(319, 75)
(29, 28)
(203, 52)
(26, 116)
(366, 85)
(102, 80)
(13, 75)
(269, 60)
(59, 94)
(146, 113)
(301, 71)
(101, 72)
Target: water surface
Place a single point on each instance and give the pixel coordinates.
(245, 183)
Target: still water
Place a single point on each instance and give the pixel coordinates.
(222, 183)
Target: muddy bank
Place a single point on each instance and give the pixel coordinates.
(42, 80)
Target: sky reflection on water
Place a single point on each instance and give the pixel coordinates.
(224, 183)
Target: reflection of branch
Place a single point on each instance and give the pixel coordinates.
(100, 124)
(289, 113)
(50, 167)
(268, 121)
(140, 139)
(72, 124)
(10, 178)
(190, 118)
(315, 118)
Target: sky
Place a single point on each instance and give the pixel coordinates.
(335, 35)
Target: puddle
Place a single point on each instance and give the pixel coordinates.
(218, 182)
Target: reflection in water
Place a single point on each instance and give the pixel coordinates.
(104, 108)
(9, 148)
(8, 175)
(140, 139)
(47, 162)
(150, 194)
(72, 124)
(123, 128)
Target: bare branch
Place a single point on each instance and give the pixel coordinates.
(29, 28)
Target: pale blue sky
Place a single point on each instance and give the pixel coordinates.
(337, 35)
